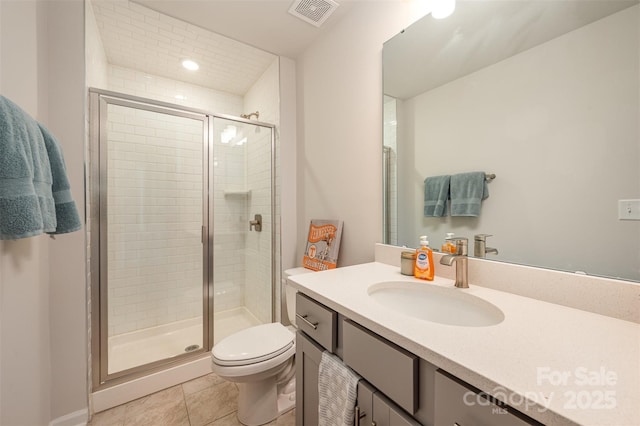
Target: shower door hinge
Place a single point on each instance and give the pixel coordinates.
(203, 234)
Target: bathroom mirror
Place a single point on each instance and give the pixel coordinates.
(543, 94)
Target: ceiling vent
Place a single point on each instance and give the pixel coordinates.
(315, 12)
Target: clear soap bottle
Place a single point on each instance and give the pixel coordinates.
(424, 268)
(448, 246)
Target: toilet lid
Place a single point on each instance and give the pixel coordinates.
(253, 345)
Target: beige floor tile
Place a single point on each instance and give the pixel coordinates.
(166, 408)
(287, 419)
(230, 420)
(212, 403)
(201, 383)
(111, 417)
(208, 400)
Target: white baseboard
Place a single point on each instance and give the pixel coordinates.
(143, 386)
(77, 418)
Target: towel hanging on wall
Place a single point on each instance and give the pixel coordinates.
(467, 192)
(35, 195)
(436, 194)
(67, 218)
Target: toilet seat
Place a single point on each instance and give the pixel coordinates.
(253, 345)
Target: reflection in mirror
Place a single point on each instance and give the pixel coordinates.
(546, 95)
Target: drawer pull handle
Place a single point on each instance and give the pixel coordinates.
(314, 325)
(456, 424)
(359, 415)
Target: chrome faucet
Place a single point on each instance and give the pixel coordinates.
(480, 248)
(460, 257)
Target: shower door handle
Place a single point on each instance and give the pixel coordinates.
(256, 223)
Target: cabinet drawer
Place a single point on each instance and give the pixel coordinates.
(388, 367)
(457, 404)
(318, 321)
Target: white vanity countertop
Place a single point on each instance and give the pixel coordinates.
(558, 365)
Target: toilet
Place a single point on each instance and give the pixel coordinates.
(260, 360)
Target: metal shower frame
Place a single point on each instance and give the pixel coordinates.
(96, 172)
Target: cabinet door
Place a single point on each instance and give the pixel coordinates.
(308, 356)
(386, 413)
(364, 407)
(456, 404)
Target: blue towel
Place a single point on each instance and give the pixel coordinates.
(467, 192)
(27, 205)
(436, 193)
(67, 218)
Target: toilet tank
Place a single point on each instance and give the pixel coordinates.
(290, 292)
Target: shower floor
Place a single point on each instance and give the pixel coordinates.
(226, 323)
(153, 344)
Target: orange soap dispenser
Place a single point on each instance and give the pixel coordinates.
(449, 246)
(424, 268)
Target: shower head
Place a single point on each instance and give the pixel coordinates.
(248, 116)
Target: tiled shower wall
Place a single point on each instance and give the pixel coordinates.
(236, 283)
(230, 220)
(231, 213)
(258, 247)
(154, 218)
(132, 82)
(258, 254)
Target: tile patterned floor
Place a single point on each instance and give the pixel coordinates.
(205, 401)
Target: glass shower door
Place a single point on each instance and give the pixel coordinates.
(242, 222)
(153, 209)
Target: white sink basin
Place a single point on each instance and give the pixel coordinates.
(429, 302)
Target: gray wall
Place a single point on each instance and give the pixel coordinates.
(562, 160)
(42, 317)
(340, 128)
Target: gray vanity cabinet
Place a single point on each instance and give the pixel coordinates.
(317, 332)
(373, 358)
(398, 388)
(375, 409)
(386, 413)
(364, 407)
(308, 356)
(456, 404)
(317, 321)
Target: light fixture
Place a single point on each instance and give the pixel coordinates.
(180, 97)
(442, 8)
(190, 65)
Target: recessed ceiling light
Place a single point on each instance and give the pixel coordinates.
(190, 65)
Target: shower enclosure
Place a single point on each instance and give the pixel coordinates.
(181, 225)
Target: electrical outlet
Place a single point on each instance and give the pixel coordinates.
(629, 209)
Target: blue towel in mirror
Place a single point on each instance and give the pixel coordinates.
(467, 192)
(436, 194)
